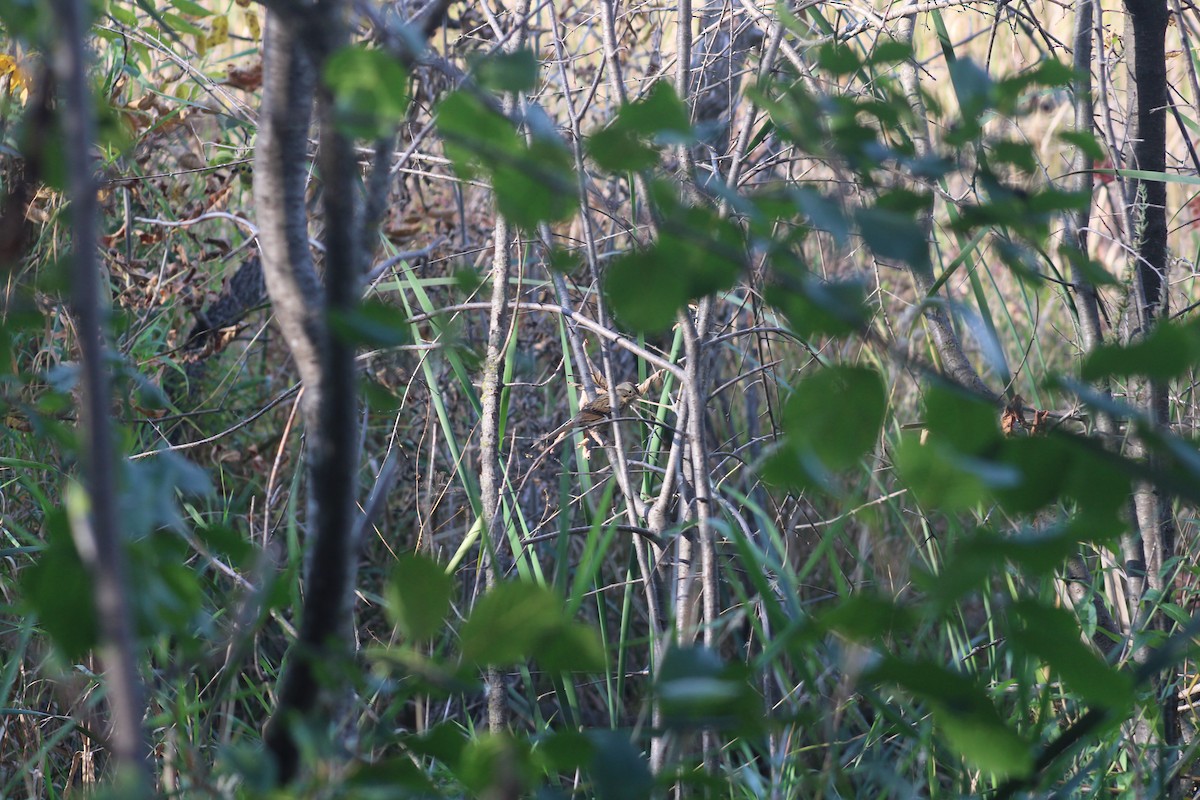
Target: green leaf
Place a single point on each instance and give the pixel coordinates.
(444, 742)
(618, 149)
(695, 688)
(125, 16)
(155, 503)
(893, 235)
(496, 765)
(508, 622)
(890, 51)
(659, 113)
(59, 590)
(618, 770)
(973, 86)
(939, 477)
(1086, 142)
(630, 142)
(838, 59)
(378, 398)
(370, 90)
(868, 617)
(533, 182)
(815, 307)
(566, 750)
(824, 213)
(1169, 351)
(518, 621)
(1053, 635)
(644, 291)
(836, 414)
(180, 25)
(1019, 154)
(373, 323)
(225, 541)
(187, 7)
(574, 647)
(418, 596)
(1042, 464)
(696, 254)
(965, 422)
(389, 777)
(963, 714)
(506, 72)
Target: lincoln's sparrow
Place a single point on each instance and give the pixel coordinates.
(592, 412)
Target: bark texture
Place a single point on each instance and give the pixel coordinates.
(95, 528)
(295, 45)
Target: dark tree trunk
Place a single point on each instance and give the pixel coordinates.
(1146, 27)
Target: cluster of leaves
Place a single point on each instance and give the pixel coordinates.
(833, 420)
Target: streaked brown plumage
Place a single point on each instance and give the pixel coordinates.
(591, 413)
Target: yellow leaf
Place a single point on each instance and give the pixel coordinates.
(252, 24)
(220, 32)
(9, 68)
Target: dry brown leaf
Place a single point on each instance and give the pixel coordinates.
(247, 78)
(1011, 421)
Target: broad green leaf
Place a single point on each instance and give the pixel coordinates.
(630, 142)
(517, 621)
(618, 770)
(893, 235)
(390, 776)
(1018, 153)
(151, 499)
(696, 688)
(646, 292)
(659, 113)
(226, 542)
(125, 16)
(815, 307)
(835, 414)
(1042, 465)
(868, 617)
(496, 765)
(418, 596)
(533, 182)
(1086, 142)
(370, 90)
(973, 86)
(507, 72)
(890, 51)
(444, 742)
(572, 647)
(190, 7)
(940, 477)
(1169, 351)
(509, 621)
(838, 59)
(373, 323)
(1053, 635)
(697, 253)
(619, 149)
(963, 713)
(565, 750)
(963, 421)
(180, 25)
(58, 587)
(824, 213)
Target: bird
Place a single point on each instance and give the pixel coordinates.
(591, 413)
